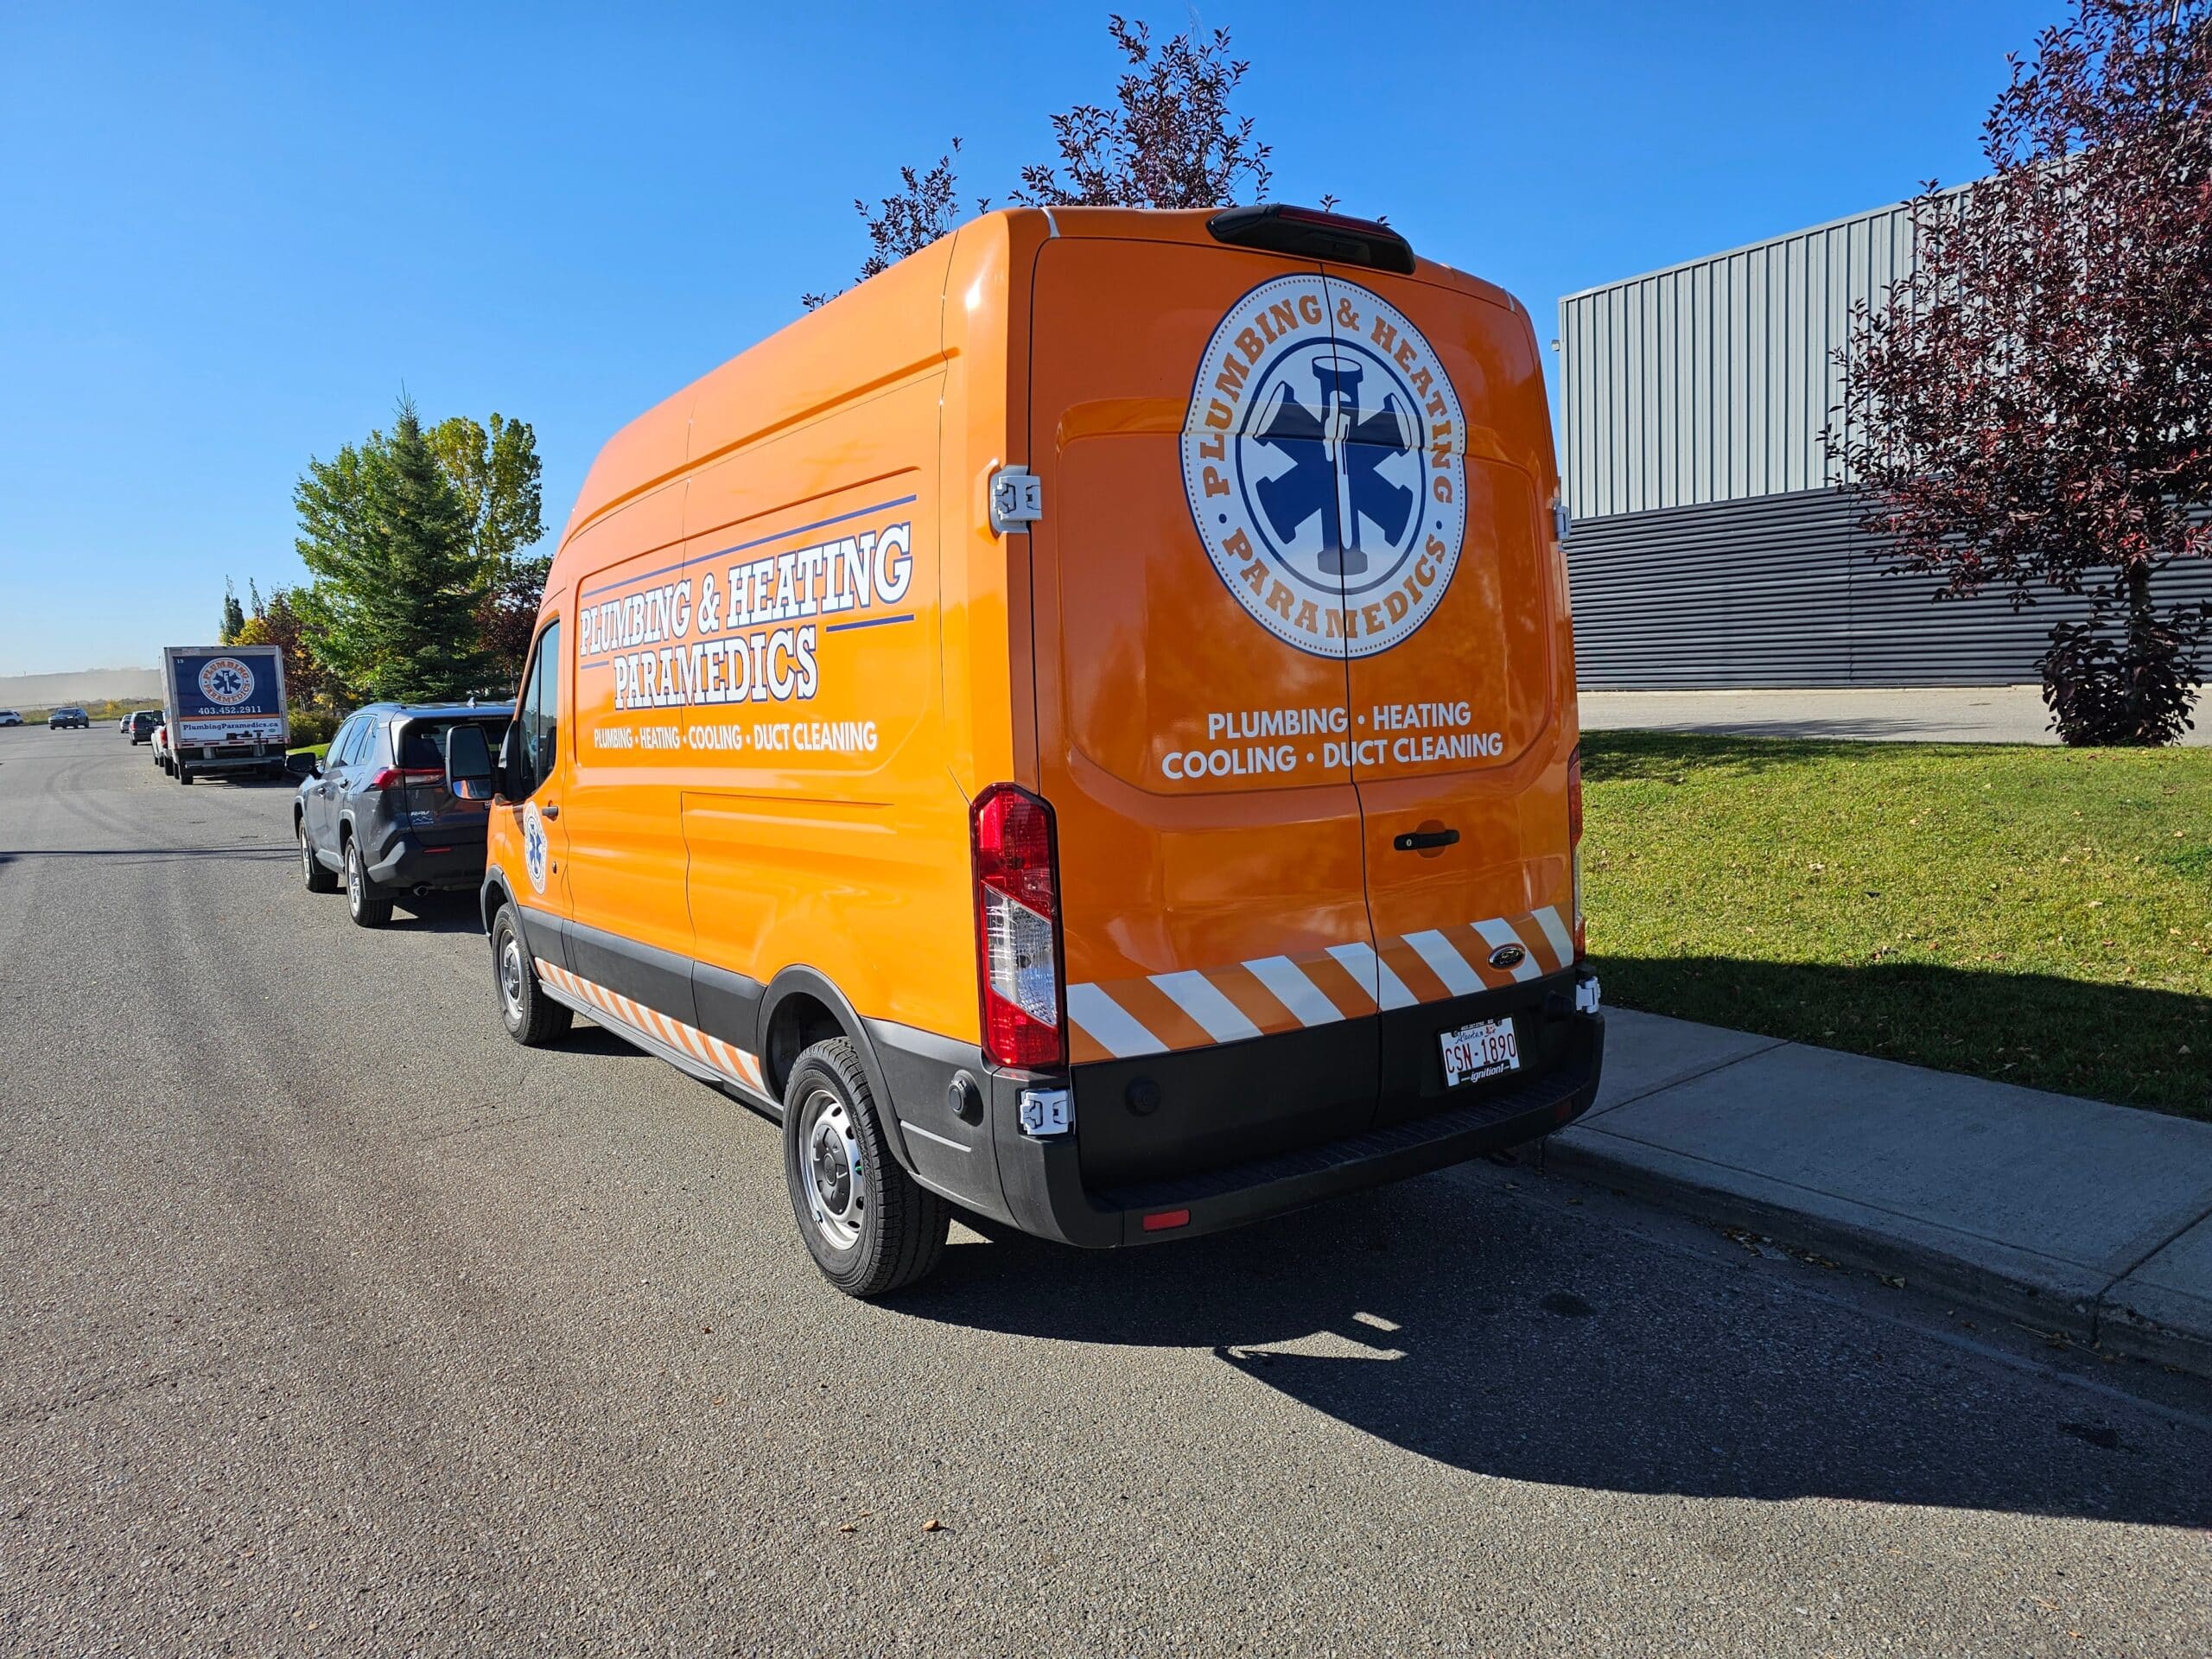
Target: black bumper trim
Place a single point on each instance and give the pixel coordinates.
(1429, 1142)
(1046, 1192)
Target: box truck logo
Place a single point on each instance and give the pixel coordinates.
(226, 681)
(1324, 461)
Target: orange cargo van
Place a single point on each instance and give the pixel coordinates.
(1081, 728)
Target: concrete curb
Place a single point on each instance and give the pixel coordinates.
(2066, 1216)
(2171, 1329)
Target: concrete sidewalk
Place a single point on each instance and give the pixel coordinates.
(1935, 714)
(2067, 1215)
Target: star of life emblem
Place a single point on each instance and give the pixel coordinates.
(533, 846)
(225, 681)
(1324, 457)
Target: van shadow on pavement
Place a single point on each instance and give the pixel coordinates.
(1470, 1329)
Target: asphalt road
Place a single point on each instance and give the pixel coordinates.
(336, 1322)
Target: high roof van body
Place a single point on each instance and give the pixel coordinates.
(1081, 727)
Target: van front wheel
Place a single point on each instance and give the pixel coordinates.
(869, 1225)
(532, 1019)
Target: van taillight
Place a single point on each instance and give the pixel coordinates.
(1574, 839)
(1017, 928)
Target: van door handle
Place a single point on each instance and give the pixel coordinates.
(1420, 841)
(549, 810)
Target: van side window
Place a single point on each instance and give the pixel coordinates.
(538, 711)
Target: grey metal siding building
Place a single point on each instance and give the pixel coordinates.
(1710, 546)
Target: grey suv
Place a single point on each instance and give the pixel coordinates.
(376, 812)
(61, 717)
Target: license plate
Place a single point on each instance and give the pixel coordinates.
(1482, 1050)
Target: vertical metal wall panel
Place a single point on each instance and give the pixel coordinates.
(1711, 381)
(1785, 590)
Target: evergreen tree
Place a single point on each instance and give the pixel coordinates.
(234, 616)
(398, 581)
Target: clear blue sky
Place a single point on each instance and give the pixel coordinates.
(232, 233)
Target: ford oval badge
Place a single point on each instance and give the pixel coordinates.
(1507, 956)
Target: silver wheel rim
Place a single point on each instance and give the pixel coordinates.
(307, 856)
(831, 1170)
(352, 879)
(510, 978)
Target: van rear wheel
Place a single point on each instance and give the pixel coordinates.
(532, 1019)
(869, 1225)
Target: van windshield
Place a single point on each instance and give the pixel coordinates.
(423, 743)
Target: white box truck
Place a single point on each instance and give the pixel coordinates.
(225, 710)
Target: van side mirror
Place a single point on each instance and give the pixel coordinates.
(468, 762)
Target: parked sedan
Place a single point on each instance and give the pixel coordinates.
(63, 718)
(376, 812)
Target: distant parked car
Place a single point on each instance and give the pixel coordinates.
(11, 717)
(376, 812)
(62, 717)
(140, 725)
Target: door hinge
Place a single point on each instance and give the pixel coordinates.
(1017, 500)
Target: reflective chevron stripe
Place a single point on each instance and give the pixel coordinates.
(709, 1051)
(1190, 1008)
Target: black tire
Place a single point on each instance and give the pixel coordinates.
(182, 773)
(363, 903)
(532, 1019)
(870, 1227)
(313, 876)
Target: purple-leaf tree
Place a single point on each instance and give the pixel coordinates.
(2032, 404)
(1169, 139)
(908, 220)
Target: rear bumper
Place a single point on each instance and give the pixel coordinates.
(1412, 1133)
(229, 760)
(406, 863)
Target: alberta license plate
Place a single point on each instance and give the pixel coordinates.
(1482, 1050)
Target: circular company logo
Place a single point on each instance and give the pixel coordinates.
(1326, 465)
(533, 846)
(225, 681)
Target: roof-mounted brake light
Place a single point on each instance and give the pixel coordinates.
(1311, 234)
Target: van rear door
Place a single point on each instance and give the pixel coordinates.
(1192, 708)
(1456, 673)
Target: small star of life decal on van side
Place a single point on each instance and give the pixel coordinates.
(1324, 457)
(533, 846)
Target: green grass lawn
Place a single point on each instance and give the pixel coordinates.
(320, 751)
(2040, 915)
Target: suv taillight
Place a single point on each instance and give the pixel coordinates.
(395, 777)
(1575, 840)
(1017, 928)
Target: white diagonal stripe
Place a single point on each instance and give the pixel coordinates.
(1115, 1028)
(1496, 931)
(1201, 999)
(1291, 988)
(1444, 961)
(1562, 941)
(1370, 970)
